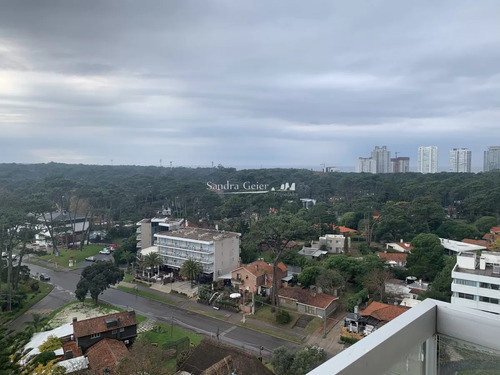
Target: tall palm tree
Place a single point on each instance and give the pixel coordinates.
(190, 269)
(152, 260)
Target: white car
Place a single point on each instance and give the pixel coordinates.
(105, 251)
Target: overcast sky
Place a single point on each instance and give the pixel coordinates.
(246, 83)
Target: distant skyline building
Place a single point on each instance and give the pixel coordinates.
(491, 158)
(400, 164)
(366, 165)
(460, 160)
(428, 159)
(382, 158)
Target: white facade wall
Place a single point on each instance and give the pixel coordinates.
(366, 165)
(382, 157)
(226, 255)
(476, 291)
(460, 160)
(428, 159)
(219, 256)
(492, 158)
(334, 243)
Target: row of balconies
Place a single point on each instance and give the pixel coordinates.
(193, 250)
(183, 245)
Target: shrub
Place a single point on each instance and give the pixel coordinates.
(283, 317)
(34, 285)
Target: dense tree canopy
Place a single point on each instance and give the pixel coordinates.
(96, 278)
(427, 257)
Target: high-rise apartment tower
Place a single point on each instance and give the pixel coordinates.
(428, 159)
(382, 158)
(460, 160)
(492, 158)
(400, 164)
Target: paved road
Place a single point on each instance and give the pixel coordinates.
(65, 285)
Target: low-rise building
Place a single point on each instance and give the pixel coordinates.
(313, 253)
(394, 259)
(120, 326)
(257, 277)
(333, 243)
(476, 282)
(66, 227)
(401, 246)
(104, 356)
(307, 301)
(217, 251)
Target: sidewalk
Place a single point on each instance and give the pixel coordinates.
(330, 343)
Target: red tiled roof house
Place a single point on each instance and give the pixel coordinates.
(104, 356)
(121, 326)
(257, 277)
(394, 259)
(307, 302)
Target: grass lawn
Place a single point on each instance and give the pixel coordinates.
(78, 256)
(166, 334)
(313, 325)
(128, 278)
(148, 295)
(264, 314)
(277, 333)
(31, 299)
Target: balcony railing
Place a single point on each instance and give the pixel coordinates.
(409, 344)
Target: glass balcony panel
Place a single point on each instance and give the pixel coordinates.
(461, 357)
(412, 364)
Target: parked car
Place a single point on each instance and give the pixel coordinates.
(105, 251)
(91, 259)
(44, 277)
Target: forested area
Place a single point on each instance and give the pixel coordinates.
(132, 192)
(382, 207)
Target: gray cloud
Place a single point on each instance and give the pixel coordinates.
(286, 83)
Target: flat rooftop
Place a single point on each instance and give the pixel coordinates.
(457, 246)
(200, 234)
(488, 271)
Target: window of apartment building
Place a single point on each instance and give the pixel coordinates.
(122, 329)
(466, 296)
(95, 335)
(489, 300)
(114, 331)
(489, 286)
(465, 282)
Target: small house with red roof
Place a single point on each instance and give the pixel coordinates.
(120, 326)
(308, 302)
(382, 313)
(394, 259)
(403, 247)
(257, 277)
(104, 356)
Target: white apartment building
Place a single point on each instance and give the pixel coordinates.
(147, 228)
(492, 158)
(334, 243)
(460, 160)
(366, 165)
(217, 251)
(382, 157)
(476, 282)
(428, 159)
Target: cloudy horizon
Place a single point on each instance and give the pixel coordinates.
(246, 84)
